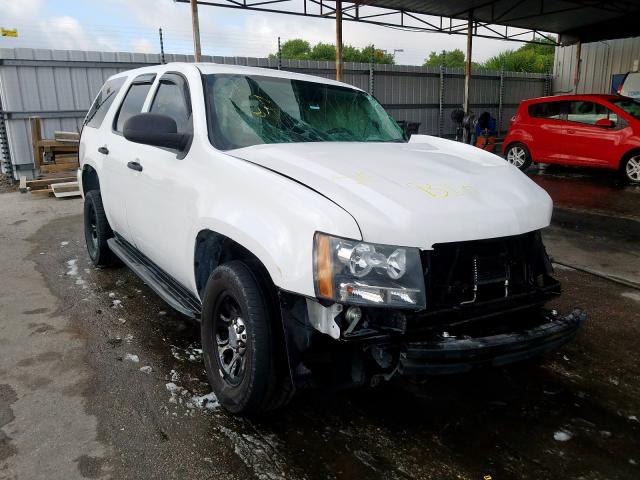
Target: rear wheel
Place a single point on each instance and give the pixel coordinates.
(97, 230)
(239, 340)
(518, 155)
(630, 168)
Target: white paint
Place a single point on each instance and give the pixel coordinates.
(632, 295)
(146, 369)
(417, 194)
(73, 267)
(129, 357)
(208, 401)
(562, 436)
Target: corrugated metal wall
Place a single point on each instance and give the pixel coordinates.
(599, 61)
(59, 85)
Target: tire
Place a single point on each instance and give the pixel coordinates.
(630, 168)
(518, 155)
(97, 230)
(239, 340)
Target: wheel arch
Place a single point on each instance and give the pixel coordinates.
(90, 180)
(212, 249)
(627, 154)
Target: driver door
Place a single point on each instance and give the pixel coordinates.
(160, 210)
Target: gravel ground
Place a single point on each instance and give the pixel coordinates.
(137, 400)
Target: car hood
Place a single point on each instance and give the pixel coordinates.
(416, 194)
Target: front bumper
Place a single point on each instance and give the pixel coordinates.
(450, 355)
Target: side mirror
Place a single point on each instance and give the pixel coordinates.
(156, 130)
(605, 123)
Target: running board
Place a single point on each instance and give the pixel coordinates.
(172, 292)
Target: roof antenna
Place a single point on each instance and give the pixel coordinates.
(161, 47)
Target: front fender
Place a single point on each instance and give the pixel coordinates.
(275, 218)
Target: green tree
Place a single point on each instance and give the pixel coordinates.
(298, 49)
(379, 56)
(531, 58)
(323, 51)
(448, 59)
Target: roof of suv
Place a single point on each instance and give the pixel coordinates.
(211, 68)
(586, 96)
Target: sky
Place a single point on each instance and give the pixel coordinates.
(132, 25)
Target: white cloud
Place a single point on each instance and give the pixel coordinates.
(142, 45)
(60, 32)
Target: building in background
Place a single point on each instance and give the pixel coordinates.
(59, 85)
(602, 66)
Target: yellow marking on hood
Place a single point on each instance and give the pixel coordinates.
(441, 191)
(360, 177)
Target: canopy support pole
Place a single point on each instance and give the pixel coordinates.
(576, 76)
(195, 25)
(467, 66)
(339, 40)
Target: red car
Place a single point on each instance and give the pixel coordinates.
(586, 130)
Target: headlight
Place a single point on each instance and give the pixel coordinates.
(359, 273)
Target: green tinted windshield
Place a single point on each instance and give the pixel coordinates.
(247, 110)
(629, 105)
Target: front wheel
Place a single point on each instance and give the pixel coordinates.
(630, 169)
(238, 339)
(518, 155)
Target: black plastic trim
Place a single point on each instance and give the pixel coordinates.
(459, 355)
(168, 288)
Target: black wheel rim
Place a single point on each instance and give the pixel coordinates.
(92, 230)
(230, 338)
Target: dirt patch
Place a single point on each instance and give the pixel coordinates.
(7, 398)
(6, 186)
(36, 311)
(90, 467)
(40, 358)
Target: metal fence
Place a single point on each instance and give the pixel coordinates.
(599, 61)
(59, 85)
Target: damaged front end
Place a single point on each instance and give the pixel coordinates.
(484, 307)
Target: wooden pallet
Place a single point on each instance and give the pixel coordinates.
(66, 189)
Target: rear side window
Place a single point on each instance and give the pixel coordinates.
(172, 99)
(103, 101)
(589, 113)
(132, 103)
(551, 110)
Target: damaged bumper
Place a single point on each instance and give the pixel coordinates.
(449, 355)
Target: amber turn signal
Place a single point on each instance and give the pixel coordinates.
(324, 266)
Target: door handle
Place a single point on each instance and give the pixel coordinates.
(135, 166)
(103, 150)
(571, 132)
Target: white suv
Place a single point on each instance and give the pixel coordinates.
(315, 244)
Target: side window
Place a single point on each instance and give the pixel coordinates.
(172, 99)
(103, 101)
(133, 101)
(551, 110)
(589, 113)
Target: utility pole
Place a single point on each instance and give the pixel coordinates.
(161, 47)
(195, 25)
(339, 40)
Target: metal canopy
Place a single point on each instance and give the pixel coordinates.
(514, 20)
(575, 21)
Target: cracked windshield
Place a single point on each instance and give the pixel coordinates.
(251, 110)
